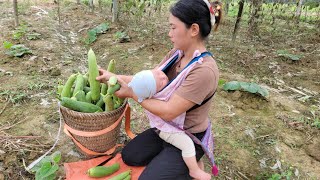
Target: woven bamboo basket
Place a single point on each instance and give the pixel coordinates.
(90, 122)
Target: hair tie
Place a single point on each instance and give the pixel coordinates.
(212, 13)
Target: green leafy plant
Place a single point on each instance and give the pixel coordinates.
(20, 31)
(7, 44)
(121, 37)
(33, 36)
(93, 33)
(46, 169)
(284, 175)
(245, 86)
(221, 82)
(316, 123)
(18, 50)
(13, 96)
(284, 53)
(275, 177)
(316, 119)
(135, 7)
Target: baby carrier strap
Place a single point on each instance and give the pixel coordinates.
(203, 102)
(173, 60)
(206, 144)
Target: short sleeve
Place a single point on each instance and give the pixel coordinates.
(200, 83)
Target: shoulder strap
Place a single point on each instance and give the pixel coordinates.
(203, 102)
(169, 65)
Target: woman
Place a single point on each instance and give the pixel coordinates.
(190, 24)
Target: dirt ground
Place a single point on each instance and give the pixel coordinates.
(255, 137)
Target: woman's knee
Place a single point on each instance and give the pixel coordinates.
(130, 158)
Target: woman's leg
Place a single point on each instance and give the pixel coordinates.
(142, 149)
(168, 164)
(183, 142)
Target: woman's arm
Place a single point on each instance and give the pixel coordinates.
(105, 75)
(166, 110)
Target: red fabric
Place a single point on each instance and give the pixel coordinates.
(78, 170)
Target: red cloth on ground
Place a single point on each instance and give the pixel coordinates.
(78, 170)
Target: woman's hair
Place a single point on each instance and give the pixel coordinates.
(217, 6)
(194, 11)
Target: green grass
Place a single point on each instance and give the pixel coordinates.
(14, 96)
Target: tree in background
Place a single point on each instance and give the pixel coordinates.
(236, 26)
(298, 11)
(114, 10)
(15, 12)
(91, 5)
(253, 29)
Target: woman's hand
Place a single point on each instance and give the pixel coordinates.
(104, 76)
(124, 91)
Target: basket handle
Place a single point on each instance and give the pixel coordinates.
(126, 113)
(88, 151)
(127, 122)
(94, 133)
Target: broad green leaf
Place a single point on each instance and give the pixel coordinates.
(51, 171)
(281, 52)
(288, 55)
(264, 92)
(293, 57)
(38, 166)
(102, 28)
(253, 88)
(33, 36)
(18, 50)
(51, 177)
(232, 85)
(92, 36)
(244, 85)
(56, 157)
(45, 167)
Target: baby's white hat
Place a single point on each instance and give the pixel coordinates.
(143, 85)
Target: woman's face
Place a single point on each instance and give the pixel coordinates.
(179, 34)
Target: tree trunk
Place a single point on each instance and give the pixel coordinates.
(59, 17)
(271, 13)
(100, 4)
(15, 12)
(298, 11)
(226, 8)
(114, 10)
(78, 1)
(236, 26)
(306, 14)
(253, 29)
(91, 6)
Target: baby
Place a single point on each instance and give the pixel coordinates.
(146, 84)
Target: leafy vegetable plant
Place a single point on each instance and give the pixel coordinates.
(284, 53)
(46, 169)
(245, 86)
(93, 33)
(7, 44)
(17, 50)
